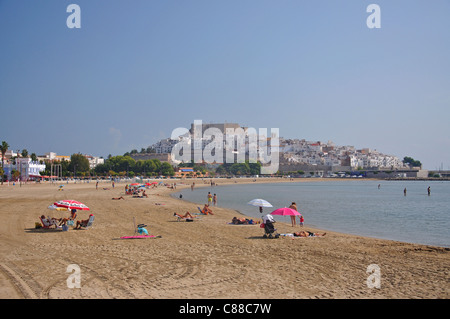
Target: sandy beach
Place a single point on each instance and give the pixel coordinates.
(204, 259)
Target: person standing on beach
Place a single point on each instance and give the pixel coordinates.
(209, 198)
(294, 207)
(429, 190)
(302, 220)
(215, 199)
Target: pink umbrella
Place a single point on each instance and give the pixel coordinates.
(285, 212)
(71, 204)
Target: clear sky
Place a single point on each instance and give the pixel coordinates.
(136, 70)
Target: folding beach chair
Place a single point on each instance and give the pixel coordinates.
(89, 222)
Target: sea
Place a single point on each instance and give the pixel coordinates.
(370, 208)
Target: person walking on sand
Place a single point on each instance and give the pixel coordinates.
(294, 207)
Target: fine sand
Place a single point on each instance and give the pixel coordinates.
(207, 258)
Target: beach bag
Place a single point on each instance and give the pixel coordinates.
(262, 225)
(70, 222)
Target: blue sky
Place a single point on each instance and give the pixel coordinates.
(136, 70)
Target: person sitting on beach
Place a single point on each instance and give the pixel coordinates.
(82, 223)
(206, 210)
(118, 198)
(142, 230)
(73, 215)
(144, 194)
(237, 221)
(187, 215)
(52, 220)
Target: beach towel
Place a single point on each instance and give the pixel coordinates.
(139, 237)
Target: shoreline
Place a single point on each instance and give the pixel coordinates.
(316, 227)
(204, 259)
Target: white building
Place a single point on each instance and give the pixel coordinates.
(27, 168)
(94, 161)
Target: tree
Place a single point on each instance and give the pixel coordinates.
(411, 162)
(240, 169)
(24, 153)
(3, 148)
(15, 174)
(78, 163)
(167, 169)
(255, 168)
(149, 166)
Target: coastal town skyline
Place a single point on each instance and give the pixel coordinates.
(232, 143)
(132, 73)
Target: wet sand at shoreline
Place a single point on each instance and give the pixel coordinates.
(204, 259)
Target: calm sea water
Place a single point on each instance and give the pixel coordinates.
(355, 206)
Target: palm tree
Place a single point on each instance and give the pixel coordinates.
(3, 149)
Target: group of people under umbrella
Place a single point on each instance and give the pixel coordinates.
(268, 219)
(64, 222)
(291, 211)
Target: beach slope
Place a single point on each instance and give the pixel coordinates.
(207, 258)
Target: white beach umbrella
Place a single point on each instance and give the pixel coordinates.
(259, 202)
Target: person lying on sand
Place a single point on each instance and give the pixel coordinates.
(242, 221)
(308, 234)
(187, 215)
(118, 198)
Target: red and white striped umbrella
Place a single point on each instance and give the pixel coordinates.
(71, 204)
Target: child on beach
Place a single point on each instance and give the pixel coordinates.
(209, 198)
(302, 220)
